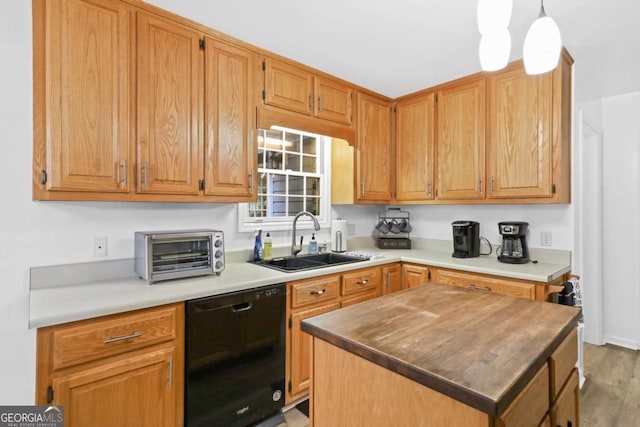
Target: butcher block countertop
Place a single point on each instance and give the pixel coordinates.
(476, 347)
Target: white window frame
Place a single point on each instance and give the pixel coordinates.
(247, 223)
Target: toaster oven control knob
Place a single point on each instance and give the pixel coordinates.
(219, 264)
(218, 253)
(218, 243)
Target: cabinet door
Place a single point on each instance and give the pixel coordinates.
(332, 100)
(415, 275)
(565, 411)
(86, 101)
(460, 135)
(288, 87)
(519, 146)
(300, 351)
(230, 133)
(169, 107)
(136, 391)
(373, 149)
(415, 137)
(391, 278)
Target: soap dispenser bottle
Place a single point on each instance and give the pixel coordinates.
(313, 244)
(267, 253)
(257, 247)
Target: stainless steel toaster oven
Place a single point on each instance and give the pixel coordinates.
(165, 255)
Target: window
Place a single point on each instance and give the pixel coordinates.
(293, 175)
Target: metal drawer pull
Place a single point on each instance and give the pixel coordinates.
(362, 282)
(320, 292)
(388, 279)
(480, 288)
(123, 338)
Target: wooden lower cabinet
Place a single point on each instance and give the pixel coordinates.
(416, 275)
(391, 278)
(565, 412)
(312, 297)
(119, 370)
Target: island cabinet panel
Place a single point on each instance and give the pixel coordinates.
(562, 362)
(565, 412)
(530, 406)
(81, 97)
(123, 369)
(373, 150)
(170, 66)
(391, 278)
(461, 140)
(415, 140)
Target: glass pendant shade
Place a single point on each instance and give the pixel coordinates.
(493, 15)
(542, 45)
(495, 48)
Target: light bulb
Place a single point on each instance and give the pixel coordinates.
(542, 45)
(493, 15)
(495, 48)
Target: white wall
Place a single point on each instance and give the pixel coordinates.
(621, 229)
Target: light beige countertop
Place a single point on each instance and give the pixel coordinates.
(66, 293)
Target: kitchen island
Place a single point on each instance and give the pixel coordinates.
(438, 355)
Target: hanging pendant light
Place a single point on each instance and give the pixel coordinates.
(495, 44)
(542, 45)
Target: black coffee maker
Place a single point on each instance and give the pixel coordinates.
(514, 242)
(466, 239)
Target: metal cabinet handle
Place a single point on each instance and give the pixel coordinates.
(171, 372)
(123, 338)
(428, 188)
(480, 185)
(320, 103)
(320, 292)
(362, 188)
(491, 186)
(388, 279)
(145, 166)
(480, 288)
(124, 173)
(362, 282)
(311, 101)
(251, 182)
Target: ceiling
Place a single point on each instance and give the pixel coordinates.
(396, 47)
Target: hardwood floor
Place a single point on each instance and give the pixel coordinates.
(610, 396)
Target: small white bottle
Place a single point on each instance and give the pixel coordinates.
(267, 251)
(313, 244)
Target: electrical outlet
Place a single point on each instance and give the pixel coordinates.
(99, 246)
(545, 238)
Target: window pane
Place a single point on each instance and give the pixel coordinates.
(292, 142)
(274, 139)
(313, 186)
(296, 185)
(309, 145)
(308, 164)
(279, 206)
(292, 162)
(259, 208)
(261, 158)
(313, 205)
(278, 184)
(295, 205)
(262, 183)
(273, 160)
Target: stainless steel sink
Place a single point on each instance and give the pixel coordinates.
(308, 262)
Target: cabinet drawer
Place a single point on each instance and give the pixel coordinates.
(314, 290)
(488, 284)
(562, 361)
(94, 339)
(530, 406)
(360, 281)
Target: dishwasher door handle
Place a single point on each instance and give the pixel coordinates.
(244, 306)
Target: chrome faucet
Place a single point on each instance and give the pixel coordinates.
(295, 250)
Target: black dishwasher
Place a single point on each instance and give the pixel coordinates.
(235, 358)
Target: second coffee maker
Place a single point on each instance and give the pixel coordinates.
(466, 239)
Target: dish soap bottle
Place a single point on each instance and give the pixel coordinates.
(257, 248)
(313, 244)
(267, 252)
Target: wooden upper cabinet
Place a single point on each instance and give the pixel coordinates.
(230, 153)
(460, 140)
(415, 140)
(296, 89)
(332, 100)
(519, 134)
(373, 149)
(81, 91)
(169, 82)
